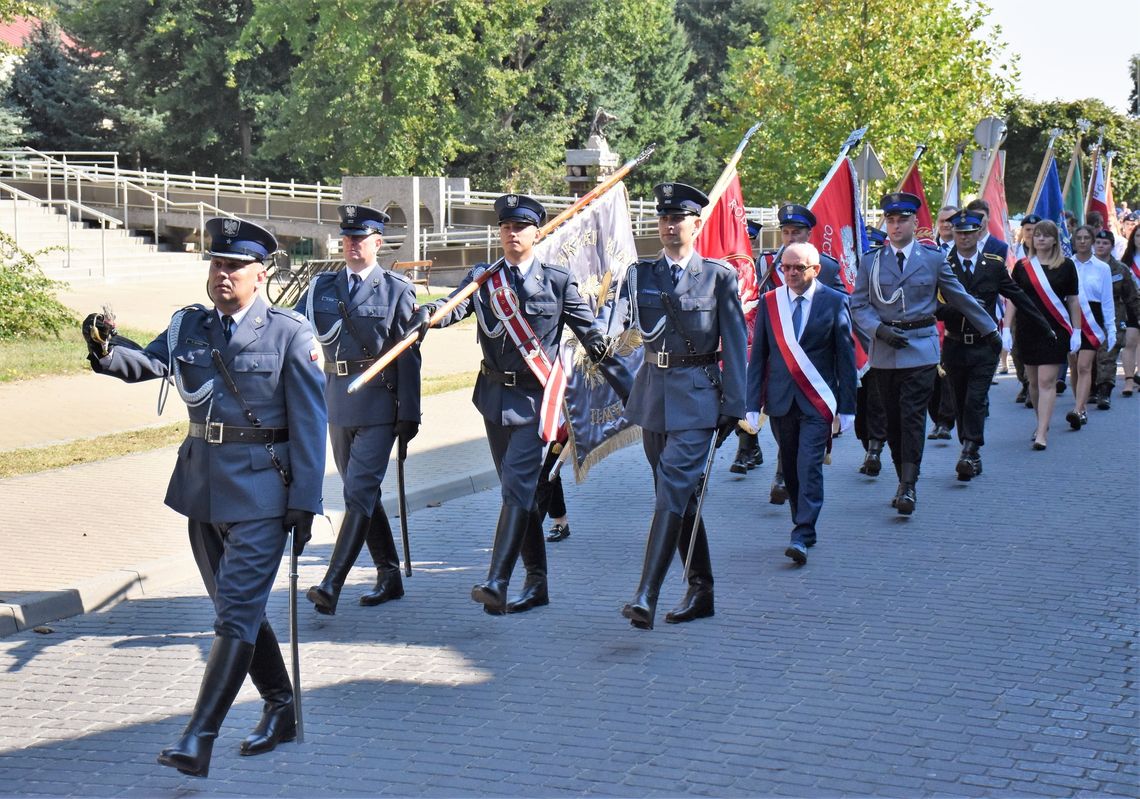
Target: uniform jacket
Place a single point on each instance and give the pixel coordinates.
(272, 358)
(380, 313)
(707, 302)
(828, 275)
(549, 298)
(826, 340)
(994, 246)
(1125, 297)
(926, 276)
(988, 280)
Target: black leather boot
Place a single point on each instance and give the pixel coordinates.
(872, 461)
(755, 454)
(698, 601)
(509, 534)
(663, 535)
(534, 593)
(1104, 396)
(382, 548)
(226, 668)
(267, 670)
(778, 494)
(908, 498)
(349, 540)
(748, 454)
(969, 462)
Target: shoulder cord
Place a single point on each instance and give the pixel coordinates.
(634, 316)
(874, 280)
(333, 332)
(174, 367)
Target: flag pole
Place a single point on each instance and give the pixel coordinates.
(850, 143)
(918, 153)
(954, 176)
(1053, 134)
(995, 154)
(1092, 174)
(1082, 127)
(727, 173)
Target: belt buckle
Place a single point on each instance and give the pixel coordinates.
(342, 368)
(662, 359)
(214, 431)
(967, 338)
(510, 379)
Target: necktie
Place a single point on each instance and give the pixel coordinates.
(676, 274)
(967, 267)
(798, 316)
(227, 327)
(902, 257)
(945, 247)
(516, 278)
(354, 282)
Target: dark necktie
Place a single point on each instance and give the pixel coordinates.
(945, 247)
(516, 279)
(967, 267)
(227, 327)
(354, 282)
(676, 271)
(798, 316)
(902, 257)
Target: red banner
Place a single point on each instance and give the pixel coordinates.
(994, 194)
(1101, 199)
(725, 236)
(913, 184)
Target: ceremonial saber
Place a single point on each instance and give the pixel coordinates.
(293, 644)
(727, 174)
(474, 285)
(700, 505)
(402, 498)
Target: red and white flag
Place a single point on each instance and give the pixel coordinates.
(1100, 200)
(725, 236)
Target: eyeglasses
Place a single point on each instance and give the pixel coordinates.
(800, 268)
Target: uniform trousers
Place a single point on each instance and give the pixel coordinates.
(517, 453)
(677, 459)
(969, 372)
(238, 563)
(905, 394)
(361, 455)
(803, 440)
(1106, 362)
(870, 418)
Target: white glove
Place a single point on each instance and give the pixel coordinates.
(1075, 340)
(753, 419)
(1006, 339)
(845, 421)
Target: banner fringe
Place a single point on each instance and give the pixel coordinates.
(631, 435)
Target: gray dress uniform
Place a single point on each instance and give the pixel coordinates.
(355, 327)
(896, 296)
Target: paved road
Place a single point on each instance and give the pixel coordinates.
(983, 647)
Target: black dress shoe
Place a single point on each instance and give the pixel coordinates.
(907, 500)
(1029, 402)
(1038, 446)
(779, 493)
(1084, 418)
(797, 552)
(940, 433)
(1074, 420)
(1023, 394)
(1060, 387)
(1103, 403)
(559, 532)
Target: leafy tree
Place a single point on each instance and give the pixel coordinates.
(1029, 125)
(911, 69)
(1134, 79)
(60, 93)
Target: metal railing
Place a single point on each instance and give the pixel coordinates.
(81, 211)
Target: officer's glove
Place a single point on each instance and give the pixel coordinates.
(1007, 340)
(725, 424)
(892, 336)
(301, 522)
(993, 338)
(421, 320)
(1075, 340)
(98, 330)
(406, 430)
(597, 347)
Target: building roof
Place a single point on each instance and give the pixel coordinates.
(14, 31)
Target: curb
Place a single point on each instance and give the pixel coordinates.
(106, 591)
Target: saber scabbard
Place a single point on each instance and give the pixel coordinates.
(402, 498)
(293, 644)
(700, 506)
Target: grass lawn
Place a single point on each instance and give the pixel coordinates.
(24, 359)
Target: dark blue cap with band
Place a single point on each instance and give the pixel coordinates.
(877, 237)
(520, 208)
(754, 228)
(966, 221)
(360, 220)
(902, 203)
(239, 240)
(679, 198)
(792, 214)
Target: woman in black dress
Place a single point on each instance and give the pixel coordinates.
(1043, 356)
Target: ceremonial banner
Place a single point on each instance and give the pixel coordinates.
(1075, 196)
(725, 236)
(994, 193)
(593, 245)
(913, 184)
(1049, 204)
(1101, 200)
(839, 229)
(953, 194)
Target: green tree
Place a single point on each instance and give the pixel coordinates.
(1029, 125)
(28, 306)
(1134, 79)
(910, 69)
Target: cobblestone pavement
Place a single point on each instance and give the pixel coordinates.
(983, 647)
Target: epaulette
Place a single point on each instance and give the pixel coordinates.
(556, 267)
(399, 276)
(289, 313)
(997, 259)
(931, 247)
(722, 263)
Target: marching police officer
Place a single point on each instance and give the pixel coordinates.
(356, 314)
(893, 304)
(684, 306)
(250, 469)
(968, 357)
(521, 310)
(796, 223)
(870, 418)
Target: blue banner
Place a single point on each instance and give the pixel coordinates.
(1051, 204)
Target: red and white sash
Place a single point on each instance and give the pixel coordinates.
(1045, 293)
(803, 371)
(1135, 267)
(1093, 332)
(552, 377)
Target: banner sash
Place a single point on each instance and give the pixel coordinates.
(803, 371)
(1046, 294)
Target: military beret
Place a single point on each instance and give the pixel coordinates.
(1030, 219)
(1106, 235)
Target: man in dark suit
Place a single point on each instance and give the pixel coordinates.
(802, 373)
(684, 306)
(356, 314)
(986, 242)
(969, 357)
(893, 304)
(509, 392)
(250, 469)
